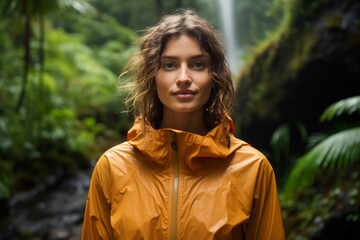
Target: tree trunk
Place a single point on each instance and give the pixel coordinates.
(27, 61)
(41, 103)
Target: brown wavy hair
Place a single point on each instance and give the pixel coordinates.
(143, 67)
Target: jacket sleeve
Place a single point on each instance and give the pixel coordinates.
(96, 224)
(266, 217)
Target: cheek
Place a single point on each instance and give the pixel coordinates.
(160, 86)
(158, 83)
(164, 80)
(208, 94)
(208, 85)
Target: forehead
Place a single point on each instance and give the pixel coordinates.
(181, 44)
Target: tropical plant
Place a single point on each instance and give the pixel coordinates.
(283, 143)
(64, 129)
(28, 12)
(336, 150)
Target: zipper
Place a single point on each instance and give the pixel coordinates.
(175, 197)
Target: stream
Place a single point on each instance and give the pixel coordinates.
(54, 213)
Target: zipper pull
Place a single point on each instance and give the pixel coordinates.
(173, 140)
(228, 139)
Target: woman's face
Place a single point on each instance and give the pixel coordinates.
(183, 82)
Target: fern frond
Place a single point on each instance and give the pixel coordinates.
(337, 151)
(346, 106)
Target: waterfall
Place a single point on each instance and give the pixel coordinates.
(228, 28)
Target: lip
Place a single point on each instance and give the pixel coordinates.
(184, 94)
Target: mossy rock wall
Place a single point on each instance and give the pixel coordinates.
(312, 61)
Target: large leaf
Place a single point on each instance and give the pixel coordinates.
(346, 106)
(337, 151)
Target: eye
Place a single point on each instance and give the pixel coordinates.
(198, 65)
(168, 66)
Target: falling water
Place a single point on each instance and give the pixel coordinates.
(228, 28)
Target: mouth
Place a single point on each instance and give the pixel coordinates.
(184, 94)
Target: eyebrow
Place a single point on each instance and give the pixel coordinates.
(199, 56)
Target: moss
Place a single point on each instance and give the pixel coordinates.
(284, 80)
(275, 60)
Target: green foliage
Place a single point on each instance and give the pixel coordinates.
(281, 142)
(308, 213)
(99, 29)
(138, 14)
(256, 20)
(114, 54)
(276, 58)
(63, 131)
(345, 107)
(6, 166)
(336, 151)
(266, 85)
(16, 8)
(69, 101)
(6, 179)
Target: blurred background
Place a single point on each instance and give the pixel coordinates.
(295, 63)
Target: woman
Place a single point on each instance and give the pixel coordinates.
(182, 174)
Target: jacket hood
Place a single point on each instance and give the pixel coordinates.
(194, 149)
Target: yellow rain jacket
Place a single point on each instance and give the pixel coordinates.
(171, 184)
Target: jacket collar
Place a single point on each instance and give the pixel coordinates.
(155, 144)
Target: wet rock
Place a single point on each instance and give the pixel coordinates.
(54, 213)
(59, 233)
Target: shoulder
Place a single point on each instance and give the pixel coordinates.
(248, 166)
(118, 160)
(119, 150)
(249, 156)
(246, 169)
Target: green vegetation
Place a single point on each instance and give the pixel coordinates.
(59, 97)
(287, 84)
(60, 106)
(325, 181)
(334, 151)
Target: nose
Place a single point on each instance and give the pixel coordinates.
(183, 77)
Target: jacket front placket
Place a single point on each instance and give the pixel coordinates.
(175, 193)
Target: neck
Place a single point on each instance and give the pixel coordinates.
(188, 122)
